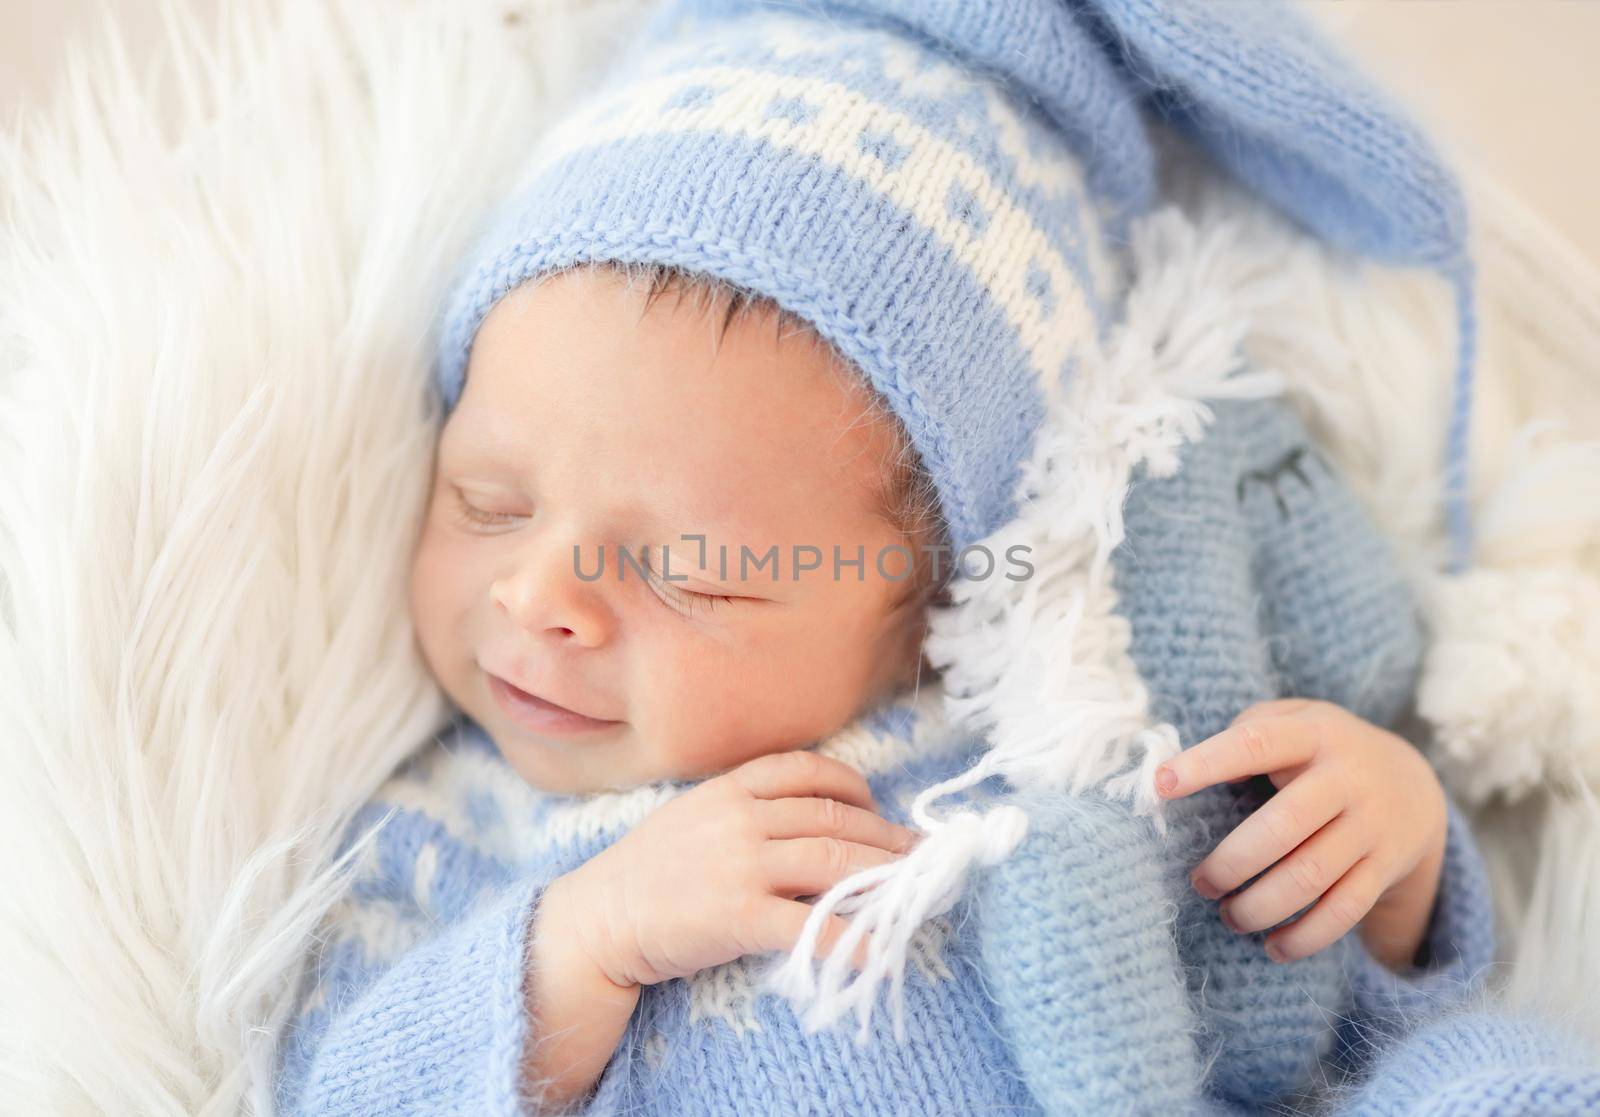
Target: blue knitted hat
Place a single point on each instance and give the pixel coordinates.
(943, 188)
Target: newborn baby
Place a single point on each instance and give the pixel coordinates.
(657, 576)
(609, 409)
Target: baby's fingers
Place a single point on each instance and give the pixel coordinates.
(1299, 810)
(802, 817)
(1246, 748)
(784, 921)
(811, 866)
(1341, 908)
(801, 772)
(1304, 874)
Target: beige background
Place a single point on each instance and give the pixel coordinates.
(1515, 83)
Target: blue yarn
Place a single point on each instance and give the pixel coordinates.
(1458, 496)
(1082, 975)
(1294, 121)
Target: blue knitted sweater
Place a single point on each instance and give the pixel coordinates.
(1081, 975)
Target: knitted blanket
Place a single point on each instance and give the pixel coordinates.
(205, 666)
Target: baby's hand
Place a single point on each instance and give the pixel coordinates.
(715, 873)
(1359, 821)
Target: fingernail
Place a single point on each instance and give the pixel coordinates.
(1166, 780)
(1227, 920)
(1275, 952)
(1204, 887)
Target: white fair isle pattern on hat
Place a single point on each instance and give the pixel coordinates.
(844, 128)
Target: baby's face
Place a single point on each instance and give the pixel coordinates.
(589, 423)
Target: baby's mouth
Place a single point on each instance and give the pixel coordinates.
(540, 714)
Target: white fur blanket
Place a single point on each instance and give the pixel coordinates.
(217, 293)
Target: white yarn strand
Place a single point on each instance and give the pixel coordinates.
(1041, 668)
(889, 902)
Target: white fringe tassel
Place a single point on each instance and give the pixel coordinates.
(1041, 667)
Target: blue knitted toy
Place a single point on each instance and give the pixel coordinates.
(955, 195)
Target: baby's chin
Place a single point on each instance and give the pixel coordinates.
(618, 759)
(603, 761)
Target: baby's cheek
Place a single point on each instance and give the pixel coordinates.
(442, 587)
(428, 593)
(713, 709)
(699, 711)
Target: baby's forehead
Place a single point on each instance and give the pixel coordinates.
(727, 408)
(690, 333)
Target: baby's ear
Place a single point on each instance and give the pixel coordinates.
(908, 625)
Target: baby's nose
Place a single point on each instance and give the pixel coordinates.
(547, 600)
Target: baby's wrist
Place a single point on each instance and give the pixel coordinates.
(573, 933)
(578, 1014)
